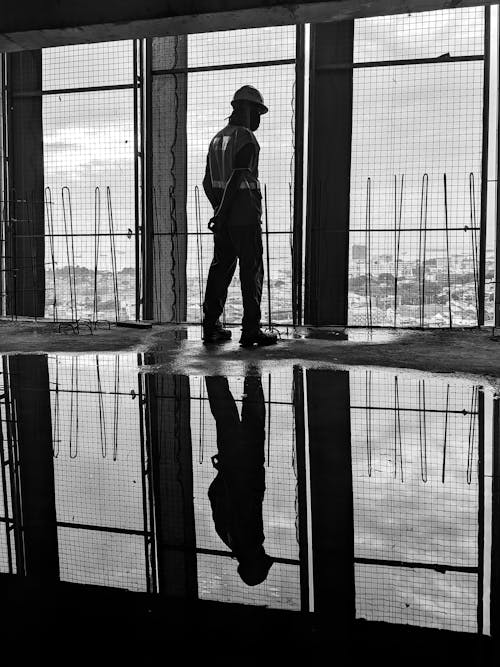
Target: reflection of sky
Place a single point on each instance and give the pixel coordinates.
(407, 120)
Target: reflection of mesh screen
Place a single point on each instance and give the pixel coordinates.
(97, 469)
(415, 448)
(417, 597)
(411, 123)
(101, 559)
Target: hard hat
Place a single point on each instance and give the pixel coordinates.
(250, 94)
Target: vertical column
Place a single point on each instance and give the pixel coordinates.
(328, 405)
(495, 537)
(330, 130)
(29, 384)
(171, 453)
(167, 178)
(25, 229)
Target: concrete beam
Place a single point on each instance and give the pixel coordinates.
(28, 25)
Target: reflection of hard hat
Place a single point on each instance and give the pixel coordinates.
(250, 94)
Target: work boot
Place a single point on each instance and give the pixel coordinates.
(259, 337)
(215, 333)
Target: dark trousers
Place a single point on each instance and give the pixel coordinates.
(237, 493)
(230, 245)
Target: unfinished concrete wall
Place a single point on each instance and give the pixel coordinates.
(327, 223)
(25, 226)
(167, 161)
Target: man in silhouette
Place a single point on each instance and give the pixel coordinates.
(237, 492)
(232, 186)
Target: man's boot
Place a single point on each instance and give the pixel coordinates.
(215, 333)
(259, 337)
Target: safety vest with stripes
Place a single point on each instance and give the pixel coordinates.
(222, 153)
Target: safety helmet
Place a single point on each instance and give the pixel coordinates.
(250, 94)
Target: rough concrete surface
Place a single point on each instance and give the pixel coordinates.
(178, 348)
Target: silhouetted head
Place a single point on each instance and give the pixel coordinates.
(248, 105)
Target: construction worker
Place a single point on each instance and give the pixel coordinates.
(232, 186)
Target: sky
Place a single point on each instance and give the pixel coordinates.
(408, 121)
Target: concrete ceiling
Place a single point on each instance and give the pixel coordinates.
(34, 24)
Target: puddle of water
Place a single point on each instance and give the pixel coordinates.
(369, 490)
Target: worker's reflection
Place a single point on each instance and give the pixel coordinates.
(237, 492)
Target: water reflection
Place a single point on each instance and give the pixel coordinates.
(361, 494)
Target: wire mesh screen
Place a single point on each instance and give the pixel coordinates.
(416, 170)
(90, 195)
(217, 572)
(415, 448)
(457, 32)
(225, 59)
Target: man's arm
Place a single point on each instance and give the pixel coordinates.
(242, 163)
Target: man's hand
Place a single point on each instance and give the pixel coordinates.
(215, 223)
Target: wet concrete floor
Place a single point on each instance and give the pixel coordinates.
(241, 508)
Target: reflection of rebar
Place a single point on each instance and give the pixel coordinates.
(422, 245)
(74, 407)
(268, 420)
(68, 215)
(472, 432)
(422, 430)
(445, 441)
(112, 248)
(56, 433)
(447, 248)
(474, 241)
(201, 407)
(368, 260)
(116, 407)
(199, 246)
(368, 414)
(102, 414)
(397, 239)
(50, 226)
(397, 431)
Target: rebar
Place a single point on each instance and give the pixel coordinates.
(474, 241)
(422, 245)
(447, 248)
(50, 226)
(112, 251)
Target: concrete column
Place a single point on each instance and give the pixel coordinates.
(29, 383)
(168, 402)
(495, 537)
(25, 229)
(168, 178)
(328, 406)
(330, 130)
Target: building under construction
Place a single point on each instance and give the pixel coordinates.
(336, 492)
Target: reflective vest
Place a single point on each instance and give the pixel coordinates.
(222, 152)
